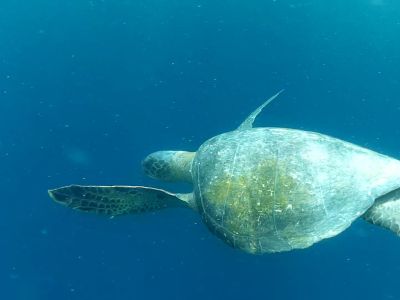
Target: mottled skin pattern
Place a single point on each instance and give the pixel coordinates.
(272, 189)
(114, 200)
(169, 165)
(386, 212)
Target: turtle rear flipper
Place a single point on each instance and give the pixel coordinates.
(116, 200)
(386, 211)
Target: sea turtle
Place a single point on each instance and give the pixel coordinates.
(262, 189)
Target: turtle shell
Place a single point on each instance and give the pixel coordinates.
(273, 189)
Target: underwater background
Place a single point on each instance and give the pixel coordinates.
(89, 88)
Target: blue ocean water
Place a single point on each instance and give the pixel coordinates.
(89, 88)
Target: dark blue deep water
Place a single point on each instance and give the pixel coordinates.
(88, 88)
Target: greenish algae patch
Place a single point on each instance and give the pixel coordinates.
(252, 202)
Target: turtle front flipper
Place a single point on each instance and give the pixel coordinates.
(117, 200)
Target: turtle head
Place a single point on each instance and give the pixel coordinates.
(169, 165)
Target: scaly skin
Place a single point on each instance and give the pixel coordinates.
(169, 165)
